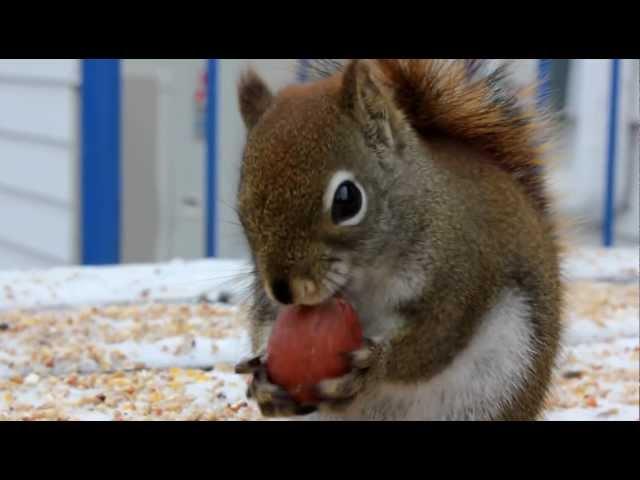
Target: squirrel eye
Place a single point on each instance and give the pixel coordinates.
(347, 204)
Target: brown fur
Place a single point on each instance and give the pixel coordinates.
(519, 251)
(487, 213)
(442, 98)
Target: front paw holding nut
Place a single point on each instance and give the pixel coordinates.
(333, 394)
(273, 400)
(336, 394)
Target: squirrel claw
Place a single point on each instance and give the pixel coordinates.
(364, 357)
(341, 388)
(249, 365)
(272, 400)
(339, 392)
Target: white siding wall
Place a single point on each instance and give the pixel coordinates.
(38, 162)
(629, 222)
(580, 179)
(164, 156)
(39, 153)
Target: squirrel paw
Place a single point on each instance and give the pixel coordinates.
(273, 401)
(338, 393)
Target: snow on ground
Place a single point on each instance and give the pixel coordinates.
(153, 342)
(598, 311)
(169, 394)
(619, 264)
(170, 282)
(150, 361)
(115, 338)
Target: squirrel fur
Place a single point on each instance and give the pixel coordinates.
(453, 262)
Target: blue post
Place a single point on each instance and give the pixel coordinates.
(303, 70)
(609, 201)
(100, 162)
(544, 89)
(212, 146)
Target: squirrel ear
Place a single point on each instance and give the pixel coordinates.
(254, 97)
(369, 101)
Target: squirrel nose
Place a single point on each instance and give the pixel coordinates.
(282, 291)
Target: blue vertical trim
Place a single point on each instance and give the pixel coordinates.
(303, 70)
(100, 158)
(211, 160)
(609, 201)
(544, 73)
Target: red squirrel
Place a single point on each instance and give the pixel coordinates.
(414, 189)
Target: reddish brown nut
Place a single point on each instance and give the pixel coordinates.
(307, 345)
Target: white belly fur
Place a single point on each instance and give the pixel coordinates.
(479, 381)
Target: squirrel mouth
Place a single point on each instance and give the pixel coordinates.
(332, 297)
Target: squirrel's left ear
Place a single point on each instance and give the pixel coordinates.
(370, 102)
(254, 97)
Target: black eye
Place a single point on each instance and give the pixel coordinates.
(347, 202)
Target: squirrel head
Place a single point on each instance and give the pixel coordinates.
(315, 188)
(385, 168)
